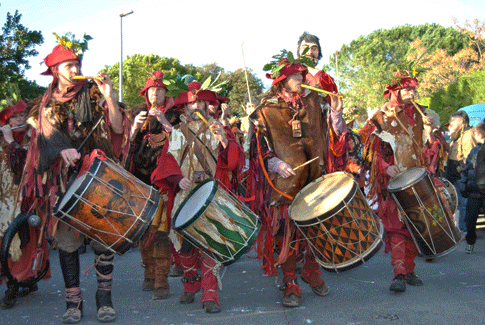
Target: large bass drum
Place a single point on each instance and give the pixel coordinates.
(109, 205)
(425, 211)
(334, 217)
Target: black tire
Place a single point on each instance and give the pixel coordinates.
(12, 229)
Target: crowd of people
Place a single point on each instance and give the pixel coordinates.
(295, 136)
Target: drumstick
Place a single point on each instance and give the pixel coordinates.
(304, 164)
(86, 77)
(321, 91)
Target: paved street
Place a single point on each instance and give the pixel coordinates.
(454, 293)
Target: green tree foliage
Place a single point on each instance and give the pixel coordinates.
(467, 90)
(136, 70)
(367, 63)
(17, 44)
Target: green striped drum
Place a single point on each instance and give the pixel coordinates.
(216, 222)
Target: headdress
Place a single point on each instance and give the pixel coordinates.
(68, 49)
(155, 80)
(284, 65)
(11, 105)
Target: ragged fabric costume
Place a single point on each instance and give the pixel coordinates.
(25, 247)
(396, 138)
(147, 151)
(273, 140)
(200, 156)
(63, 121)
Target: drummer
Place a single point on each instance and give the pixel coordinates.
(151, 127)
(62, 118)
(288, 132)
(203, 150)
(395, 145)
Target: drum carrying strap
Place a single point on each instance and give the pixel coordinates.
(192, 139)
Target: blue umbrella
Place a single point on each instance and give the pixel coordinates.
(476, 113)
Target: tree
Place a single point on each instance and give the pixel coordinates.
(136, 70)
(466, 90)
(238, 90)
(476, 34)
(17, 44)
(367, 63)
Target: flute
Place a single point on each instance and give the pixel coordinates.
(321, 91)
(17, 127)
(87, 77)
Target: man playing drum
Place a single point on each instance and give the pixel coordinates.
(149, 133)
(62, 118)
(202, 151)
(289, 131)
(395, 145)
(14, 142)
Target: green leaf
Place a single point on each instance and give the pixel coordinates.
(290, 57)
(206, 83)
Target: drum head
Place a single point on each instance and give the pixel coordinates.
(195, 204)
(406, 178)
(322, 198)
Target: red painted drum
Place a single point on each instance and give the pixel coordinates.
(425, 211)
(337, 222)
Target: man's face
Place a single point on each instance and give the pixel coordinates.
(197, 106)
(478, 137)
(156, 95)
(312, 53)
(456, 123)
(68, 69)
(293, 83)
(407, 95)
(17, 119)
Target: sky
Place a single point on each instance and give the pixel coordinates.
(204, 32)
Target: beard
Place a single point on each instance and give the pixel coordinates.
(314, 61)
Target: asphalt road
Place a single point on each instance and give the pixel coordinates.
(454, 293)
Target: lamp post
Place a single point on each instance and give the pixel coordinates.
(121, 61)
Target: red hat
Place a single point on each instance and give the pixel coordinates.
(10, 111)
(155, 80)
(195, 93)
(58, 55)
(402, 81)
(287, 71)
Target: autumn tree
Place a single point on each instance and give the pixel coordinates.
(475, 31)
(367, 63)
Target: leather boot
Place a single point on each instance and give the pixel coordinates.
(311, 275)
(149, 263)
(162, 259)
(104, 274)
(74, 300)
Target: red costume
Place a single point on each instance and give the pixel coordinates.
(147, 151)
(186, 144)
(275, 141)
(395, 139)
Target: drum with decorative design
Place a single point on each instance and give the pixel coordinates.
(216, 222)
(425, 211)
(109, 205)
(335, 219)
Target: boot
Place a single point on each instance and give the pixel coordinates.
(149, 263)
(104, 274)
(398, 284)
(292, 292)
(10, 298)
(74, 300)
(311, 275)
(191, 279)
(163, 259)
(413, 279)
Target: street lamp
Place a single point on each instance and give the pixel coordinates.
(121, 62)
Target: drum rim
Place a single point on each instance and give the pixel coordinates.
(201, 210)
(408, 185)
(79, 191)
(331, 212)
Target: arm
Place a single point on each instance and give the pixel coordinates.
(114, 112)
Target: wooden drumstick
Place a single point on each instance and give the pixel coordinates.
(306, 163)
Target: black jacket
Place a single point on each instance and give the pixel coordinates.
(472, 182)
